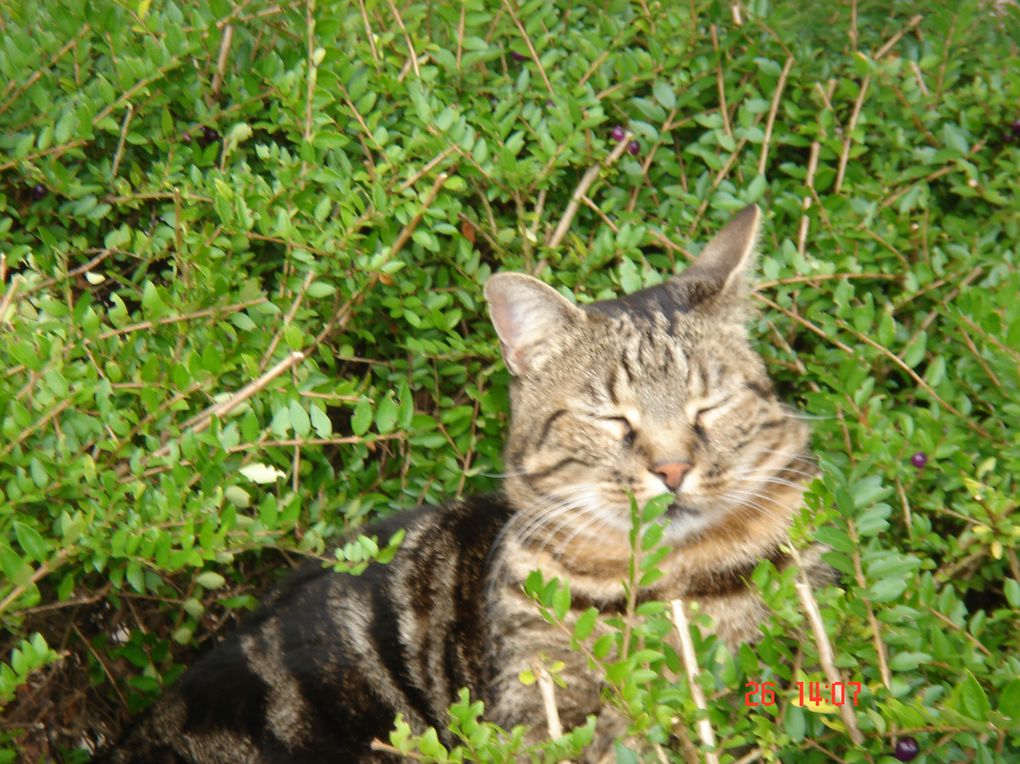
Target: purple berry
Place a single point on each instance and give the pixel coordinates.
(618, 134)
(209, 135)
(518, 56)
(634, 148)
(906, 749)
(39, 191)
(919, 460)
(1015, 128)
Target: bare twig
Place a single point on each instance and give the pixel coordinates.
(40, 573)
(690, 661)
(770, 122)
(531, 48)
(368, 31)
(288, 317)
(200, 421)
(916, 377)
(825, 656)
(407, 38)
(720, 82)
(205, 313)
(576, 198)
(221, 61)
(12, 289)
(313, 69)
(848, 134)
(805, 221)
(552, 714)
(119, 154)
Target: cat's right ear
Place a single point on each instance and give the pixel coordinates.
(526, 314)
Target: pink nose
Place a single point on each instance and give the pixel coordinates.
(672, 473)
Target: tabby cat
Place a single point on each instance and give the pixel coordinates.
(655, 392)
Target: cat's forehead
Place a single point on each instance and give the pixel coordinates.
(647, 359)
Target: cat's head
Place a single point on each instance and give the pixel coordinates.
(656, 392)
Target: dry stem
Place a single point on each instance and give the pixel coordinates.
(825, 656)
(705, 731)
(582, 189)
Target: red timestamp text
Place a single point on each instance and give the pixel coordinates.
(835, 694)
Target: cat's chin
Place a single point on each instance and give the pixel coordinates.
(686, 521)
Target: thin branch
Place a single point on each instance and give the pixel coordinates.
(201, 421)
(552, 714)
(368, 31)
(770, 122)
(407, 38)
(576, 198)
(288, 317)
(40, 573)
(720, 82)
(205, 313)
(916, 377)
(848, 135)
(129, 112)
(690, 661)
(805, 221)
(825, 656)
(531, 48)
(221, 61)
(313, 70)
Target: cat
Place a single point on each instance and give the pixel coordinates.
(656, 392)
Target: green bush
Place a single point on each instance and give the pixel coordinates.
(242, 255)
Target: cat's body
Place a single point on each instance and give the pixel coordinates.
(657, 392)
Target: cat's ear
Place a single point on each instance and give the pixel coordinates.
(526, 314)
(719, 275)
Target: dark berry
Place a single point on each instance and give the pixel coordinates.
(1015, 129)
(618, 134)
(209, 135)
(634, 148)
(906, 749)
(919, 460)
(518, 56)
(38, 191)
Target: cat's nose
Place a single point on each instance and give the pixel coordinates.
(672, 473)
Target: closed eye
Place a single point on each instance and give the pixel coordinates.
(621, 428)
(697, 421)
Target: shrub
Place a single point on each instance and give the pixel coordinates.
(242, 257)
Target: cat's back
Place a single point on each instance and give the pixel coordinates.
(330, 659)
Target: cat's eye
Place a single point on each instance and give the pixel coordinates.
(629, 435)
(697, 420)
(620, 428)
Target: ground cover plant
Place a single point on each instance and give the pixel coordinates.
(241, 256)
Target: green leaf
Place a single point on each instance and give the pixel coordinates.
(664, 94)
(908, 661)
(320, 421)
(585, 624)
(973, 700)
(31, 541)
(299, 419)
(210, 580)
(152, 303)
(386, 415)
(362, 417)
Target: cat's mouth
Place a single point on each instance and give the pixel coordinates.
(680, 509)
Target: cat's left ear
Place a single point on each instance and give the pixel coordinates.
(528, 316)
(720, 273)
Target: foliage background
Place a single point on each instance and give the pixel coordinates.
(242, 255)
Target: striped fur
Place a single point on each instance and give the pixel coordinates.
(657, 392)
